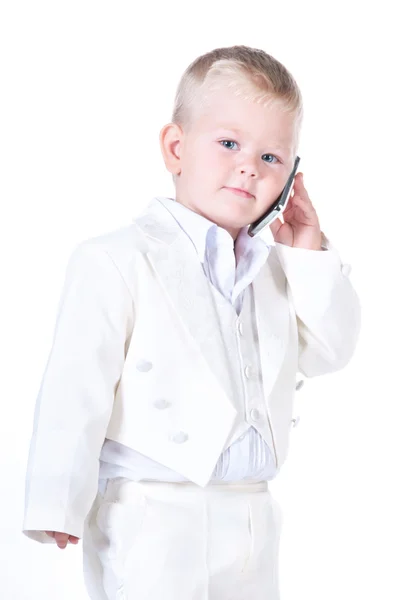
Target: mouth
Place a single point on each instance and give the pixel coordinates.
(240, 192)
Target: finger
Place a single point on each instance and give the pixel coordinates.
(299, 184)
(61, 539)
(289, 208)
(304, 204)
(73, 539)
(60, 536)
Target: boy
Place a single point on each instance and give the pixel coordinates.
(166, 404)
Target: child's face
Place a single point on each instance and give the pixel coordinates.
(257, 154)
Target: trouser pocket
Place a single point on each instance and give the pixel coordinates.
(118, 522)
(264, 524)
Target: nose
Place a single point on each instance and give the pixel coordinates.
(249, 168)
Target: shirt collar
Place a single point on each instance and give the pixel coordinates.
(198, 228)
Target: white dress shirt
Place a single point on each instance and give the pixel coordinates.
(230, 268)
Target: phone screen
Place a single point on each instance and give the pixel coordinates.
(278, 206)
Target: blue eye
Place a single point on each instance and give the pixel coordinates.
(232, 142)
(228, 141)
(270, 155)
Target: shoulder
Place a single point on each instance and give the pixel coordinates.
(117, 249)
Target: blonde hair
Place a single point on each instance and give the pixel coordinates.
(250, 73)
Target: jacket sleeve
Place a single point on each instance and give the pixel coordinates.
(76, 395)
(327, 307)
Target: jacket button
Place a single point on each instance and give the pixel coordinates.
(346, 270)
(248, 371)
(299, 384)
(161, 403)
(255, 414)
(179, 437)
(144, 365)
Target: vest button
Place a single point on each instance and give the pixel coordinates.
(144, 365)
(255, 414)
(179, 437)
(161, 403)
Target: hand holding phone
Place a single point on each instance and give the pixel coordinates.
(278, 206)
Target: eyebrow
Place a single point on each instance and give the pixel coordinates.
(237, 130)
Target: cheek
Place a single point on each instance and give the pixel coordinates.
(269, 191)
(213, 164)
(200, 161)
(276, 182)
(221, 161)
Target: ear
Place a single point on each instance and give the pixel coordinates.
(171, 139)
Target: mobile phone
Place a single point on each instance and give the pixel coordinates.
(278, 206)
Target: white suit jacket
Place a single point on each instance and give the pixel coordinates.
(136, 322)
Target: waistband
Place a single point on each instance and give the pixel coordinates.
(120, 488)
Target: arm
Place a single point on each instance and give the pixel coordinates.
(327, 307)
(76, 395)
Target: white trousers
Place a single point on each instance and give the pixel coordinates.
(177, 541)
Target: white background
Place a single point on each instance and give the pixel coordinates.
(85, 90)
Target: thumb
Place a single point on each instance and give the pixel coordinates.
(275, 226)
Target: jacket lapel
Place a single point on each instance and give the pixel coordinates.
(180, 272)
